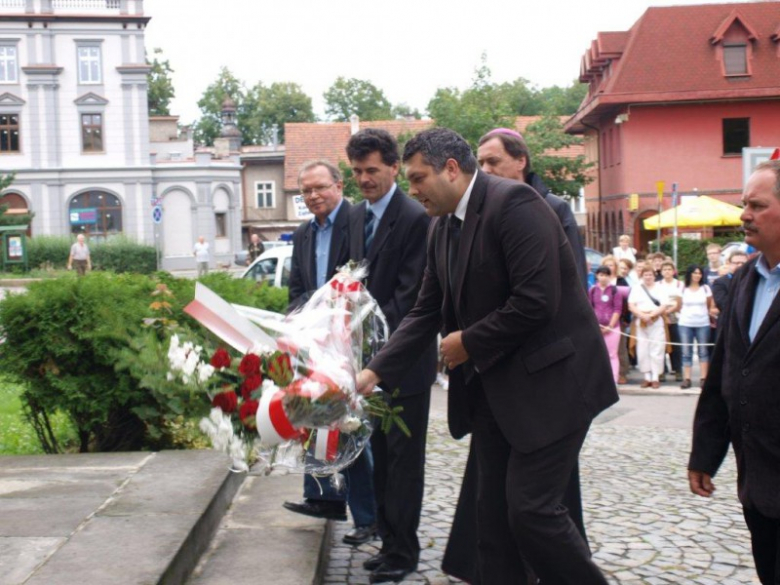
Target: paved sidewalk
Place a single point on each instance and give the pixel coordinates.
(643, 524)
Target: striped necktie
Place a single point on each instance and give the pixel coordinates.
(368, 230)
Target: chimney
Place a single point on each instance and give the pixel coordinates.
(354, 122)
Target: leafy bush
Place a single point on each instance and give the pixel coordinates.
(79, 346)
(119, 254)
(694, 251)
(48, 251)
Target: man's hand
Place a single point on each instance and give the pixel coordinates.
(366, 381)
(701, 483)
(452, 350)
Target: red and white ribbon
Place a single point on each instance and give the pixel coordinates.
(326, 445)
(272, 423)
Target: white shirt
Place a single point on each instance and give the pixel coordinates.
(629, 254)
(201, 251)
(641, 299)
(694, 312)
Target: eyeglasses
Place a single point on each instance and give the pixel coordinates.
(316, 190)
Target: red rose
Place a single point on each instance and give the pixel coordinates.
(251, 384)
(247, 413)
(250, 364)
(280, 369)
(220, 359)
(227, 401)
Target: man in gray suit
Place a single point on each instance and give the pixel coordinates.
(740, 402)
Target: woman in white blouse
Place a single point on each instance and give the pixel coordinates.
(648, 303)
(624, 249)
(694, 322)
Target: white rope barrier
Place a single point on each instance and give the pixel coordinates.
(655, 341)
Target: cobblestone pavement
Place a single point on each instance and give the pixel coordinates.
(643, 524)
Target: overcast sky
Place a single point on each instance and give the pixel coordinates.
(408, 50)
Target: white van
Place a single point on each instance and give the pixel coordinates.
(272, 266)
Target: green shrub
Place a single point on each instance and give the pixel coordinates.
(695, 251)
(48, 251)
(79, 346)
(118, 254)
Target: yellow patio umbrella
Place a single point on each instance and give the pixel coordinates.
(703, 211)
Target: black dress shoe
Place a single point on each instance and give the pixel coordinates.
(319, 509)
(372, 563)
(359, 535)
(385, 573)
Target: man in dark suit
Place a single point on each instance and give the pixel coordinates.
(721, 286)
(528, 368)
(740, 402)
(503, 152)
(319, 247)
(388, 230)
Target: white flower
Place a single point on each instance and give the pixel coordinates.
(350, 424)
(205, 371)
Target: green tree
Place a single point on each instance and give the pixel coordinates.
(161, 90)
(258, 109)
(208, 127)
(564, 176)
(356, 96)
(472, 113)
(404, 110)
(563, 101)
(276, 104)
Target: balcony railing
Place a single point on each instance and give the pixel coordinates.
(130, 7)
(85, 5)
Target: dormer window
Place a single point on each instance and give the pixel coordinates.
(735, 59)
(734, 40)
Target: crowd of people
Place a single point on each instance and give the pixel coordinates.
(654, 316)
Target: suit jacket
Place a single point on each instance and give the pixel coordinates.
(562, 209)
(303, 271)
(740, 402)
(527, 324)
(720, 291)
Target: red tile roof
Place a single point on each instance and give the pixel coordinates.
(672, 54)
(309, 141)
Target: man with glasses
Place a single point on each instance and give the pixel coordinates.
(320, 246)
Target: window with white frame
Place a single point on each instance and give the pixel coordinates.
(8, 64)
(89, 64)
(264, 194)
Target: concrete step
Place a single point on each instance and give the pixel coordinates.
(260, 542)
(118, 518)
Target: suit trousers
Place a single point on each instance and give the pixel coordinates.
(359, 492)
(765, 541)
(520, 511)
(399, 480)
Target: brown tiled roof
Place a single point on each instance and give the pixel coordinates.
(308, 141)
(671, 54)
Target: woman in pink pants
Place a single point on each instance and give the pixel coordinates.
(607, 303)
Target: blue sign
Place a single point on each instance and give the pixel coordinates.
(157, 214)
(86, 215)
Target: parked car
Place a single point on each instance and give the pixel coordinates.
(240, 258)
(727, 250)
(272, 266)
(594, 258)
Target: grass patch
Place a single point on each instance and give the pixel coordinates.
(17, 436)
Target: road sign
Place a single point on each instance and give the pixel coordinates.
(157, 214)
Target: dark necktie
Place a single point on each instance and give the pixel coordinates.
(453, 226)
(368, 230)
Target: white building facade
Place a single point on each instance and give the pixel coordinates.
(74, 128)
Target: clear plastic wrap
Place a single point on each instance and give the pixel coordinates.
(290, 401)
